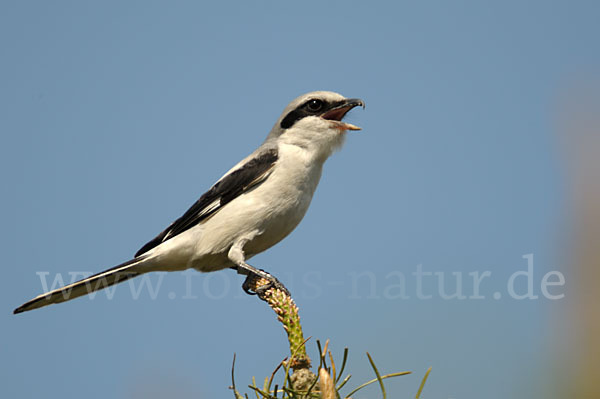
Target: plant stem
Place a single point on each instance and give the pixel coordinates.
(287, 313)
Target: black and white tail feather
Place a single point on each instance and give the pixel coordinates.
(114, 275)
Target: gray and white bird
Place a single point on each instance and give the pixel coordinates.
(252, 207)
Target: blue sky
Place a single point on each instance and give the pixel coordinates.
(116, 116)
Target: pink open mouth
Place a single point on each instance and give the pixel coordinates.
(337, 114)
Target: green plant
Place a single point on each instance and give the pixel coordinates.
(297, 381)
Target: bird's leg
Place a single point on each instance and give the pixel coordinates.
(251, 276)
(236, 255)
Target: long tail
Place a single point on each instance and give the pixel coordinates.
(114, 275)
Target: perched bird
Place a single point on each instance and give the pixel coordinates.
(252, 207)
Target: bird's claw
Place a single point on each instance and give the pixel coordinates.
(247, 283)
(272, 284)
(251, 287)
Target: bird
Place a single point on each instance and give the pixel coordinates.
(255, 205)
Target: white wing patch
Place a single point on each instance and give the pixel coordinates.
(210, 207)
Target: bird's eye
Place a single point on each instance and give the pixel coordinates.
(314, 105)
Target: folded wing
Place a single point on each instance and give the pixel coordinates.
(232, 185)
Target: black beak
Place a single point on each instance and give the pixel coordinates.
(341, 108)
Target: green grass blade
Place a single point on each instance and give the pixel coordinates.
(321, 359)
(344, 382)
(423, 383)
(257, 391)
(275, 372)
(378, 376)
(236, 394)
(343, 364)
(375, 380)
(253, 386)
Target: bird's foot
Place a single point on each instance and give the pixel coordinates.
(259, 282)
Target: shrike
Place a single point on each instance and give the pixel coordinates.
(252, 207)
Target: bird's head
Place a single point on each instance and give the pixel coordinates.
(314, 121)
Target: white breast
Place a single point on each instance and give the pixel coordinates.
(268, 213)
(287, 195)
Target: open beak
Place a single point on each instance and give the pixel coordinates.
(337, 113)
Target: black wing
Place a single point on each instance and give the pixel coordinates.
(225, 190)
